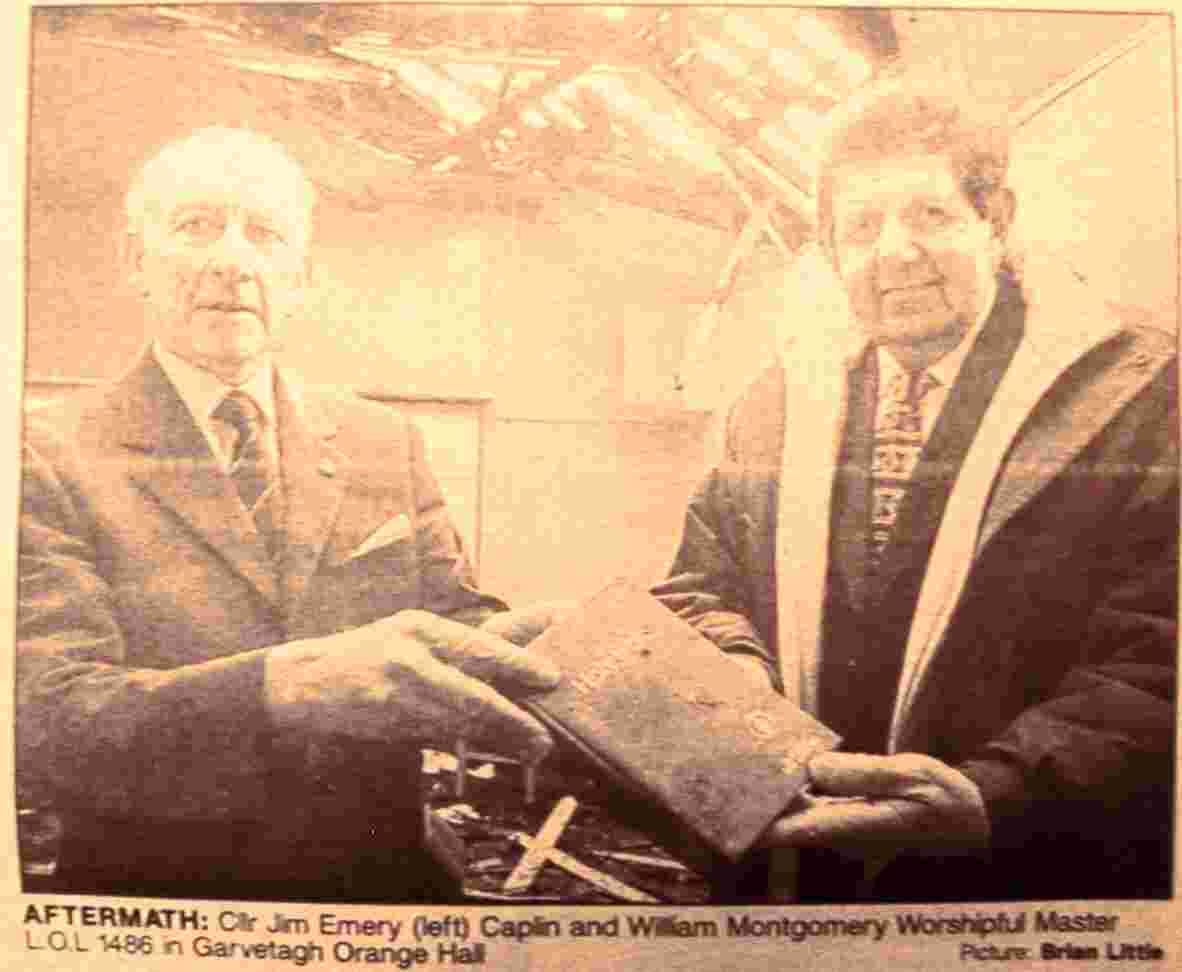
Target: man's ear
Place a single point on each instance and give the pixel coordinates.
(131, 257)
(295, 297)
(1002, 206)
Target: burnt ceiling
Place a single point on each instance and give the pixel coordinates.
(707, 113)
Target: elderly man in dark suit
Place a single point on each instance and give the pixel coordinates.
(951, 532)
(243, 606)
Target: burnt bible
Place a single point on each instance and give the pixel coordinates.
(698, 750)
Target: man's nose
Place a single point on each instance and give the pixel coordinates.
(897, 242)
(233, 258)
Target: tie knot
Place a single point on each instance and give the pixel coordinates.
(910, 386)
(240, 412)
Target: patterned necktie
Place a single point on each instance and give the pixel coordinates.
(252, 466)
(898, 441)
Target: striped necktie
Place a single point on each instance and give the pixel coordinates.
(252, 465)
(898, 442)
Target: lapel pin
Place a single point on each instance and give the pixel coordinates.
(327, 468)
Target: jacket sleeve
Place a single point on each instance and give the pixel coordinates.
(1103, 736)
(709, 584)
(99, 730)
(99, 734)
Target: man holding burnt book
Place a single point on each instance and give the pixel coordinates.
(951, 534)
(947, 527)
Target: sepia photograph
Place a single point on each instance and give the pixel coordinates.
(717, 464)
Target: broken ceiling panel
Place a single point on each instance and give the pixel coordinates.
(683, 103)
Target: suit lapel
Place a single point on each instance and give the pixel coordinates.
(1001, 473)
(173, 463)
(816, 390)
(852, 487)
(1038, 458)
(314, 477)
(943, 456)
(984, 496)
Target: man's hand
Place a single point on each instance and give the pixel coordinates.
(523, 625)
(413, 678)
(876, 806)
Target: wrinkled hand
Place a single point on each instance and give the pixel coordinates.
(523, 625)
(413, 678)
(876, 806)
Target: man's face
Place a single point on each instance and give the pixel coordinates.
(916, 258)
(222, 261)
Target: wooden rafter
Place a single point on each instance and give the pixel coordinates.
(346, 67)
(793, 198)
(690, 86)
(463, 54)
(636, 191)
(569, 67)
(505, 115)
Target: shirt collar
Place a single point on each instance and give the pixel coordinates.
(947, 368)
(202, 391)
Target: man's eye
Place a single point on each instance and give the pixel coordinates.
(860, 229)
(260, 234)
(202, 227)
(933, 216)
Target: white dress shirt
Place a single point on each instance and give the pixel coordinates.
(944, 371)
(202, 392)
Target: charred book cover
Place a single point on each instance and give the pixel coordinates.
(705, 753)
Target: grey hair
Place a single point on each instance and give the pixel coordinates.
(896, 117)
(230, 146)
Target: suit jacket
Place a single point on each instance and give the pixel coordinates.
(146, 607)
(1039, 657)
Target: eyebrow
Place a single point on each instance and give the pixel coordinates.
(253, 215)
(186, 208)
(857, 204)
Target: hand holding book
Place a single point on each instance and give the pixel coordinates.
(868, 806)
(702, 753)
